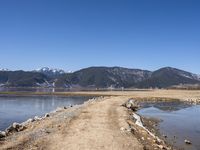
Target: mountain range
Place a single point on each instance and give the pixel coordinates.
(98, 77)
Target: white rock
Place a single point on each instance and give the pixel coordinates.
(47, 115)
(16, 125)
(122, 128)
(2, 134)
(37, 118)
(187, 141)
(143, 138)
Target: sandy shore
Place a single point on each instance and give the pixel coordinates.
(98, 124)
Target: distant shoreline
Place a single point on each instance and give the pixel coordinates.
(184, 95)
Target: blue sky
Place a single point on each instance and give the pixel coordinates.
(73, 34)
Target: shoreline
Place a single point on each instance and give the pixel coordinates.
(183, 95)
(39, 118)
(47, 125)
(144, 133)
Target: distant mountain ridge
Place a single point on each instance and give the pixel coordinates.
(22, 79)
(104, 77)
(51, 72)
(168, 76)
(4, 69)
(98, 77)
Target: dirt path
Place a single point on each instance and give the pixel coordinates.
(98, 125)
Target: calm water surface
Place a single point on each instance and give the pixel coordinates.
(19, 109)
(179, 120)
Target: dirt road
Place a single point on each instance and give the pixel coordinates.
(97, 125)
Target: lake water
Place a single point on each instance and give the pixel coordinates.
(180, 121)
(19, 109)
(29, 89)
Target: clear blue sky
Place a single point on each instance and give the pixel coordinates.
(73, 34)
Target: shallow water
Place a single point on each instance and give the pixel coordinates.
(179, 122)
(19, 109)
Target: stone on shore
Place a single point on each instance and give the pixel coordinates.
(47, 115)
(187, 141)
(2, 134)
(130, 104)
(15, 127)
(36, 118)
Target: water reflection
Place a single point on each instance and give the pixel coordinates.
(167, 105)
(19, 109)
(179, 122)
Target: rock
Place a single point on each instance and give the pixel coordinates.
(47, 115)
(131, 105)
(129, 129)
(128, 105)
(18, 127)
(36, 118)
(143, 138)
(134, 107)
(162, 147)
(59, 109)
(157, 141)
(122, 128)
(165, 136)
(2, 134)
(65, 107)
(187, 141)
(30, 120)
(15, 127)
(10, 129)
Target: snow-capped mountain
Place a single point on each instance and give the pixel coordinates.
(50, 71)
(4, 69)
(53, 70)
